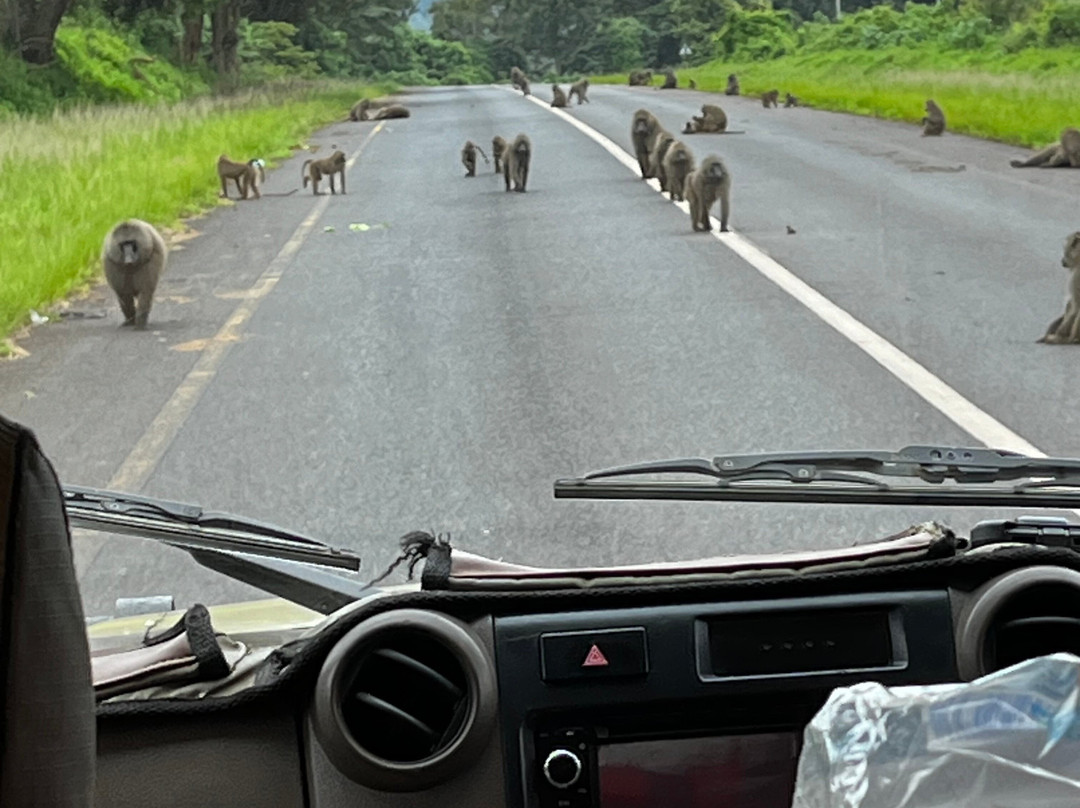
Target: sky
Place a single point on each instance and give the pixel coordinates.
(421, 19)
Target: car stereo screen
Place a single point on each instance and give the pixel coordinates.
(739, 771)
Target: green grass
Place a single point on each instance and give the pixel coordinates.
(65, 180)
(1025, 98)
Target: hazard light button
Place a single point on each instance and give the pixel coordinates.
(603, 654)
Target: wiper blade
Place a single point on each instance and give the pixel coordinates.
(956, 476)
(190, 527)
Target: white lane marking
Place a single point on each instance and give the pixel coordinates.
(975, 421)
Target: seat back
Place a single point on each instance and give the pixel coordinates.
(47, 721)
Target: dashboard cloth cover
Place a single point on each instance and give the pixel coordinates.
(1010, 738)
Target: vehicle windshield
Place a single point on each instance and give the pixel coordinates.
(362, 268)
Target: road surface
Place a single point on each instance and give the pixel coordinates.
(440, 366)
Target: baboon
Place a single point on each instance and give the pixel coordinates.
(558, 97)
(642, 130)
(770, 99)
(580, 88)
(934, 121)
(641, 78)
(247, 176)
(678, 163)
(1066, 152)
(659, 150)
(712, 119)
(710, 181)
(498, 148)
(468, 157)
(1066, 328)
(732, 85)
(693, 84)
(392, 111)
(364, 106)
(133, 257)
(526, 88)
(516, 160)
(671, 81)
(517, 78)
(315, 170)
(790, 101)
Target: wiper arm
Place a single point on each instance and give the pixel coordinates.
(849, 477)
(191, 528)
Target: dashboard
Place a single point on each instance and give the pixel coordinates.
(690, 695)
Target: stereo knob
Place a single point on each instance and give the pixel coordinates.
(562, 768)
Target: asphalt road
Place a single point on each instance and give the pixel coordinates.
(439, 368)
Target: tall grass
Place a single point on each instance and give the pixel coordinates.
(66, 179)
(1025, 98)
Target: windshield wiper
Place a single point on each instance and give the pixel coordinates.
(191, 528)
(951, 476)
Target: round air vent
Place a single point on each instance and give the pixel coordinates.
(1025, 613)
(405, 700)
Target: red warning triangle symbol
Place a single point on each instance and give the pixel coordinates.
(595, 658)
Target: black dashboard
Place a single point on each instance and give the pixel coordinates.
(691, 695)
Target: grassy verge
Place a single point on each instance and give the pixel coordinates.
(1025, 98)
(66, 179)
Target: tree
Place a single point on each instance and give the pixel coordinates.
(224, 37)
(29, 27)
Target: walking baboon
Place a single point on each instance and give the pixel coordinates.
(678, 163)
(526, 88)
(732, 85)
(642, 130)
(498, 148)
(640, 78)
(580, 88)
(1066, 152)
(517, 78)
(934, 121)
(392, 111)
(693, 84)
(133, 257)
(770, 99)
(1066, 328)
(659, 150)
(712, 119)
(246, 176)
(710, 181)
(315, 170)
(468, 157)
(516, 160)
(790, 101)
(558, 97)
(671, 81)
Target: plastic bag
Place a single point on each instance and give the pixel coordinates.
(1011, 738)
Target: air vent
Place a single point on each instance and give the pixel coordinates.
(1026, 613)
(405, 700)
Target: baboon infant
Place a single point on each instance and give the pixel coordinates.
(315, 170)
(580, 88)
(1066, 328)
(468, 157)
(133, 257)
(711, 181)
(770, 99)
(790, 101)
(516, 160)
(498, 149)
(643, 129)
(246, 176)
(678, 163)
(934, 120)
(712, 120)
(692, 84)
(1064, 153)
(558, 97)
(732, 85)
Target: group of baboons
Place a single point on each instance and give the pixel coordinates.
(511, 160)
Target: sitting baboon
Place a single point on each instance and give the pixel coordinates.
(770, 99)
(640, 78)
(790, 101)
(1066, 328)
(558, 97)
(362, 108)
(692, 84)
(315, 170)
(1064, 153)
(934, 120)
(671, 81)
(392, 111)
(659, 150)
(498, 148)
(678, 163)
(246, 176)
(580, 88)
(732, 85)
(642, 130)
(710, 181)
(133, 257)
(468, 157)
(712, 119)
(516, 161)
(517, 78)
